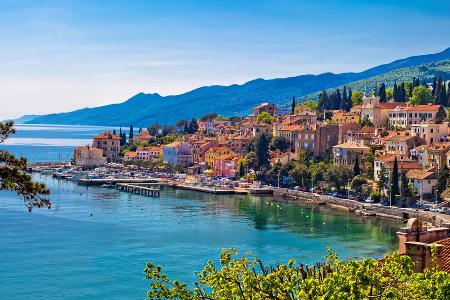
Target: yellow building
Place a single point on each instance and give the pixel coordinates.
(214, 153)
(340, 117)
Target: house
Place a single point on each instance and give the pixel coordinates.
(304, 115)
(151, 153)
(424, 182)
(399, 143)
(260, 128)
(215, 152)
(405, 117)
(109, 143)
(88, 157)
(240, 144)
(374, 110)
(347, 153)
(430, 132)
(340, 117)
(281, 157)
(143, 136)
(199, 149)
(264, 107)
(130, 156)
(387, 161)
(434, 155)
(178, 153)
(346, 130)
(226, 165)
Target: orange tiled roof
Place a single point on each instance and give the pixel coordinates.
(421, 174)
(445, 254)
(357, 107)
(130, 154)
(422, 108)
(404, 165)
(107, 135)
(391, 105)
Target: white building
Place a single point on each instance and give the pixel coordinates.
(405, 117)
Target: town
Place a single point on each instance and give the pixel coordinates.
(390, 145)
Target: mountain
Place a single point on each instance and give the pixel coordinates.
(24, 119)
(424, 71)
(144, 109)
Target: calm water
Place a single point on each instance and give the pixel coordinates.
(94, 242)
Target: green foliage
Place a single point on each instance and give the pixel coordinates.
(300, 175)
(421, 95)
(265, 117)
(312, 105)
(221, 118)
(280, 143)
(357, 98)
(14, 176)
(339, 175)
(365, 122)
(394, 190)
(262, 143)
(193, 126)
(383, 179)
(356, 169)
(208, 117)
(247, 277)
(358, 182)
(443, 180)
(441, 115)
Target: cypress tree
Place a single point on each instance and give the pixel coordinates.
(375, 90)
(443, 181)
(382, 93)
(140, 129)
(323, 102)
(394, 181)
(343, 104)
(442, 95)
(241, 170)
(114, 131)
(293, 106)
(395, 92)
(350, 93)
(448, 94)
(186, 127)
(193, 126)
(424, 83)
(131, 133)
(356, 169)
(120, 131)
(433, 91)
(124, 138)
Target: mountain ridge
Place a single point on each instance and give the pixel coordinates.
(237, 99)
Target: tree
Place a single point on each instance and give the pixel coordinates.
(357, 98)
(382, 93)
(262, 142)
(311, 105)
(356, 169)
(323, 103)
(421, 95)
(193, 126)
(346, 102)
(385, 124)
(241, 169)
(433, 90)
(383, 180)
(265, 117)
(443, 181)
(442, 98)
(339, 175)
(185, 127)
(280, 143)
(394, 181)
(441, 115)
(208, 117)
(300, 175)
(365, 122)
(131, 133)
(405, 191)
(358, 182)
(114, 131)
(247, 277)
(293, 106)
(14, 176)
(123, 140)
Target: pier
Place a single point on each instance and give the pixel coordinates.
(102, 181)
(140, 189)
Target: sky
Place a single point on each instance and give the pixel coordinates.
(61, 55)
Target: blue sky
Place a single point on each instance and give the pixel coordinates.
(62, 55)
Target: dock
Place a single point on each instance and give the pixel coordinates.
(204, 189)
(109, 181)
(140, 189)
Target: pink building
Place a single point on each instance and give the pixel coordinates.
(226, 166)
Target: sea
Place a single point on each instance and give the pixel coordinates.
(94, 242)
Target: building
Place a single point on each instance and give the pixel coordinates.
(424, 182)
(340, 117)
(151, 153)
(215, 152)
(226, 166)
(240, 144)
(399, 143)
(417, 241)
(405, 117)
(143, 136)
(88, 157)
(260, 128)
(374, 110)
(178, 153)
(430, 132)
(387, 161)
(347, 130)
(347, 153)
(434, 155)
(109, 143)
(130, 156)
(264, 107)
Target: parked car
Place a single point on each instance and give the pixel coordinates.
(369, 200)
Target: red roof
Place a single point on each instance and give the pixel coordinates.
(422, 108)
(107, 135)
(391, 105)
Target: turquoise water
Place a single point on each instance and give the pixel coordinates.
(94, 242)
